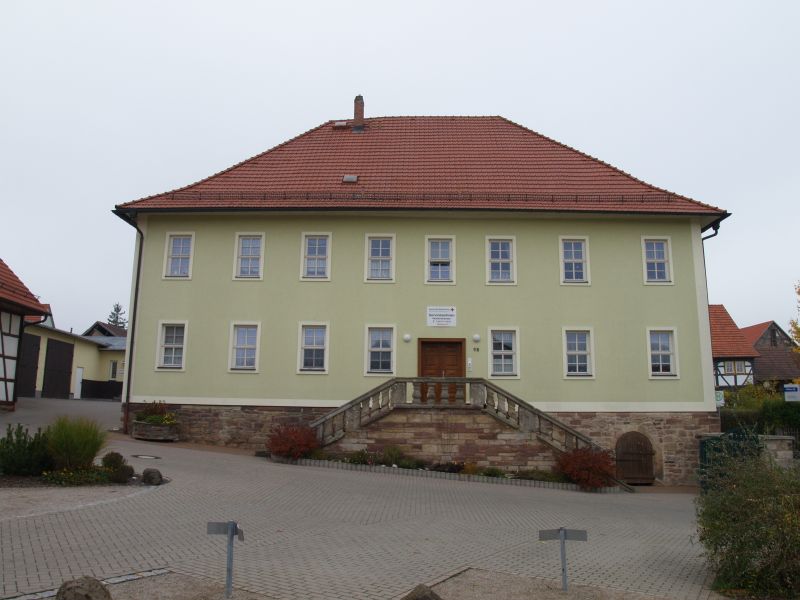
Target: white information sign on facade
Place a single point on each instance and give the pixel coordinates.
(791, 392)
(441, 316)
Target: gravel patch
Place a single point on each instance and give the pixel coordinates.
(477, 584)
(176, 586)
(29, 501)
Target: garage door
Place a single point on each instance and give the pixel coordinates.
(57, 369)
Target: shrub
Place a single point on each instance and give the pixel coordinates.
(448, 467)
(540, 475)
(292, 441)
(731, 419)
(391, 455)
(113, 460)
(80, 476)
(411, 463)
(74, 443)
(22, 453)
(750, 396)
(493, 472)
(590, 468)
(470, 468)
(362, 457)
(749, 522)
(156, 413)
(779, 413)
(121, 474)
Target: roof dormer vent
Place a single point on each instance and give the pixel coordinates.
(339, 124)
(358, 114)
(350, 179)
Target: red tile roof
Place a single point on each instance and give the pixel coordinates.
(752, 333)
(480, 163)
(38, 318)
(14, 294)
(727, 340)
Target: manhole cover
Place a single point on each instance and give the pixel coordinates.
(146, 456)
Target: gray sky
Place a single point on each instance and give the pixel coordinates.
(105, 102)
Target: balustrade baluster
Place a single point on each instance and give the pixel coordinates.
(416, 393)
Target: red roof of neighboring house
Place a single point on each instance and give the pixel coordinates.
(752, 333)
(727, 340)
(38, 318)
(478, 163)
(14, 293)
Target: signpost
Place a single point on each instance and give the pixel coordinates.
(231, 529)
(791, 392)
(562, 534)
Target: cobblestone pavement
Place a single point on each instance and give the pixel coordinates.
(315, 533)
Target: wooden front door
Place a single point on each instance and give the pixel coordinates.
(634, 454)
(442, 358)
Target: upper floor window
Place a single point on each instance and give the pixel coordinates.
(578, 353)
(657, 260)
(172, 341)
(316, 256)
(113, 373)
(313, 347)
(249, 255)
(380, 258)
(178, 260)
(380, 357)
(662, 353)
(440, 260)
(500, 260)
(574, 260)
(244, 350)
(504, 352)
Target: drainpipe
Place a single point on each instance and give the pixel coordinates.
(715, 226)
(132, 320)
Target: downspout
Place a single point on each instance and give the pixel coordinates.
(132, 321)
(715, 226)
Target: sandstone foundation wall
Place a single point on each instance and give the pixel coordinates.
(675, 437)
(450, 434)
(236, 426)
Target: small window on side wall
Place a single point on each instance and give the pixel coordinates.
(657, 260)
(172, 342)
(248, 262)
(178, 259)
(662, 352)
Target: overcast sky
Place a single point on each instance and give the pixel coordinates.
(106, 102)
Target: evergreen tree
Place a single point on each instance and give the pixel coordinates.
(117, 316)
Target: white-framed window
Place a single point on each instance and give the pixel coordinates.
(504, 355)
(313, 348)
(440, 259)
(578, 352)
(113, 369)
(501, 263)
(244, 346)
(657, 259)
(662, 352)
(172, 336)
(574, 251)
(740, 367)
(380, 354)
(248, 259)
(316, 257)
(729, 367)
(379, 252)
(178, 254)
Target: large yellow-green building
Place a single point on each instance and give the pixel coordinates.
(367, 249)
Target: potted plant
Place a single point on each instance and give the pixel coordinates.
(154, 422)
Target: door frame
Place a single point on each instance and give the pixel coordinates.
(461, 341)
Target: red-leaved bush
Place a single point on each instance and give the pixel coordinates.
(292, 441)
(590, 468)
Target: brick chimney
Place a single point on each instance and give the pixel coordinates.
(358, 114)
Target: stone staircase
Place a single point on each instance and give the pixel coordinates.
(449, 393)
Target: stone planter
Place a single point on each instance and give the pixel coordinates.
(156, 432)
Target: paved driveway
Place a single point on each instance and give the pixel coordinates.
(38, 412)
(314, 533)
